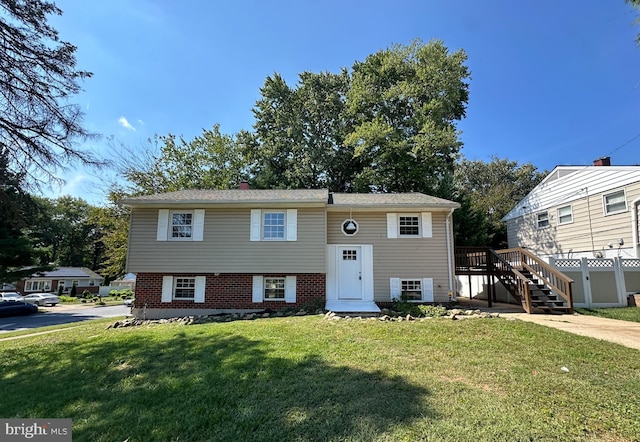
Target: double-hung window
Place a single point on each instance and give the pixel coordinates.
(181, 225)
(408, 225)
(273, 225)
(565, 215)
(274, 288)
(542, 220)
(184, 288)
(615, 202)
(411, 289)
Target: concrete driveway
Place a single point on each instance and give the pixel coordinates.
(620, 332)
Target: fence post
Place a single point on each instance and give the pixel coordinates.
(489, 260)
(586, 281)
(621, 287)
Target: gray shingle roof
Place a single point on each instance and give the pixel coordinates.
(69, 272)
(391, 199)
(232, 196)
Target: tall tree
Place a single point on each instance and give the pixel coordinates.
(635, 4)
(493, 189)
(211, 160)
(112, 222)
(405, 102)
(39, 127)
(17, 252)
(299, 133)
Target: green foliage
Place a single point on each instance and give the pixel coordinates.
(74, 291)
(487, 192)
(65, 298)
(60, 290)
(635, 4)
(404, 307)
(112, 222)
(622, 313)
(122, 293)
(40, 127)
(432, 311)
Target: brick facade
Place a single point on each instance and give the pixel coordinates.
(228, 291)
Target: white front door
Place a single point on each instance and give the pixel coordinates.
(349, 272)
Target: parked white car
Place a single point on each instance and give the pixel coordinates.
(10, 296)
(41, 299)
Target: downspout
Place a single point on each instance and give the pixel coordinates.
(450, 264)
(635, 226)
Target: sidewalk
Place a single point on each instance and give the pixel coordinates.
(612, 330)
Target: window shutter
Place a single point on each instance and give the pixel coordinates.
(258, 290)
(167, 288)
(392, 225)
(256, 221)
(367, 274)
(163, 224)
(292, 224)
(395, 288)
(200, 285)
(198, 224)
(290, 289)
(427, 289)
(427, 230)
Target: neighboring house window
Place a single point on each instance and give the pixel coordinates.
(76, 283)
(565, 215)
(274, 225)
(615, 202)
(543, 220)
(274, 288)
(411, 289)
(37, 286)
(187, 288)
(92, 283)
(409, 225)
(181, 225)
(61, 284)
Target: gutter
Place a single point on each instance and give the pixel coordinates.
(635, 226)
(449, 263)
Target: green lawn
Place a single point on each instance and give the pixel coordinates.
(623, 313)
(308, 379)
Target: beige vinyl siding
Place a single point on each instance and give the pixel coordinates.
(576, 237)
(226, 246)
(410, 258)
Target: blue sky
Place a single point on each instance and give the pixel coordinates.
(553, 82)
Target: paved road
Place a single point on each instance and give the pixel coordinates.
(60, 314)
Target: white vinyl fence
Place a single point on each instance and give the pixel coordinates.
(601, 282)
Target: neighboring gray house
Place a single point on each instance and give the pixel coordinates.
(49, 281)
(212, 251)
(580, 211)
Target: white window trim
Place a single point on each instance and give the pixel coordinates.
(395, 286)
(257, 295)
(560, 222)
(164, 232)
(538, 226)
(425, 225)
(290, 224)
(168, 289)
(604, 202)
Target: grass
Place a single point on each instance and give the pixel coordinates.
(307, 379)
(623, 313)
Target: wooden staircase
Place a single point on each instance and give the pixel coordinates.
(532, 282)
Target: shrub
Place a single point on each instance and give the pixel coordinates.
(432, 310)
(64, 298)
(74, 291)
(60, 289)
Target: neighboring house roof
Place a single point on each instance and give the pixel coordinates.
(69, 272)
(568, 183)
(231, 196)
(389, 200)
(291, 196)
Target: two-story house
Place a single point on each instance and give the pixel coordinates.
(580, 211)
(212, 251)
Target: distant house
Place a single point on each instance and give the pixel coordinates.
(213, 251)
(82, 277)
(580, 211)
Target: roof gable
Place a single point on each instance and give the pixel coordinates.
(565, 184)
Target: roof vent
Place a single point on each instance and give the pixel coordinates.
(604, 161)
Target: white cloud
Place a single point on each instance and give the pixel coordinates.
(124, 123)
(141, 123)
